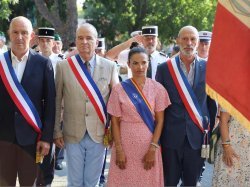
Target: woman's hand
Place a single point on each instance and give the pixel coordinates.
(228, 155)
(121, 159)
(149, 158)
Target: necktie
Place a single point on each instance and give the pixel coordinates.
(87, 64)
(149, 70)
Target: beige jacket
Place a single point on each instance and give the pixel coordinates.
(79, 114)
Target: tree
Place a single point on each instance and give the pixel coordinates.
(115, 19)
(5, 13)
(5, 9)
(62, 15)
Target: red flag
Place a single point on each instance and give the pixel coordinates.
(228, 68)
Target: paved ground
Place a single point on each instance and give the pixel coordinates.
(60, 179)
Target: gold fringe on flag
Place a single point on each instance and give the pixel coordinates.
(228, 107)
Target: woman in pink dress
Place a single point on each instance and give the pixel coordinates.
(136, 156)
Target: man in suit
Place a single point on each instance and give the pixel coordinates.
(21, 139)
(182, 137)
(83, 131)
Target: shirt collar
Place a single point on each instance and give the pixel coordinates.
(24, 58)
(191, 65)
(152, 55)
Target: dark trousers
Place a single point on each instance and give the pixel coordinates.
(17, 160)
(102, 177)
(184, 163)
(45, 175)
(59, 154)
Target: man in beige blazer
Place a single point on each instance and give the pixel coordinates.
(83, 131)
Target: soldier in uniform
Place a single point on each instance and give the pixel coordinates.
(150, 41)
(204, 44)
(59, 153)
(58, 45)
(46, 43)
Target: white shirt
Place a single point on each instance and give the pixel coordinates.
(156, 59)
(54, 60)
(19, 66)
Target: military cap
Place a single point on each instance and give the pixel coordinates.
(101, 43)
(150, 30)
(57, 37)
(135, 33)
(46, 32)
(205, 36)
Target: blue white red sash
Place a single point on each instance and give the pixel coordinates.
(89, 86)
(186, 93)
(140, 102)
(18, 94)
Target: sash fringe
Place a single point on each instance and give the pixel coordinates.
(230, 108)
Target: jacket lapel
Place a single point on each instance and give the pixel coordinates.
(98, 69)
(28, 68)
(197, 73)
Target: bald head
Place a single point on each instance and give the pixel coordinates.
(24, 20)
(188, 39)
(190, 29)
(20, 33)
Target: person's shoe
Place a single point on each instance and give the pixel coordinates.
(58, 166)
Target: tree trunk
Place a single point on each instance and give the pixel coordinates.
(66, 29)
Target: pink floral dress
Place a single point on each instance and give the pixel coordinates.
(136, 138)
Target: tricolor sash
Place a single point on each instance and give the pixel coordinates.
(18, 94)
(140, 102)
(89, 86)
(186, 93)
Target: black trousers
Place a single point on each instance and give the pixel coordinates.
(184, 163)
(17, 160)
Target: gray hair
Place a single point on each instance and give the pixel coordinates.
(89, 26)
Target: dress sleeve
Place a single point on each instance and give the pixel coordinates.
(114, 105)
(162, 100)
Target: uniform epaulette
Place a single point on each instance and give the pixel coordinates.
(163, 54)
(61, 56)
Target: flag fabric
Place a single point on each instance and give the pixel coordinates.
(228, 68)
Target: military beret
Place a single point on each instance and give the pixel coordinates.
(2, 36)
(57, 37)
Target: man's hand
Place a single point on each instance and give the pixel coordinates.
(59, 142)
(43, 148)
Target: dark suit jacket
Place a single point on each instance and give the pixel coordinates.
(38, 82)
(177, 122)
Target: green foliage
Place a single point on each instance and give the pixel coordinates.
(4, 8)
(116, 19)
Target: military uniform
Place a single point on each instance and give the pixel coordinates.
(157, 58)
